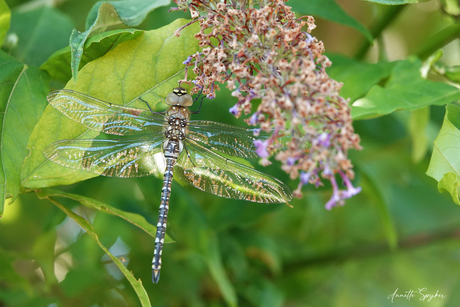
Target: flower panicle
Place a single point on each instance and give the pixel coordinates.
(268, 54)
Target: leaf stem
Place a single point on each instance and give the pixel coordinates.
(438, 40)
(390, 13)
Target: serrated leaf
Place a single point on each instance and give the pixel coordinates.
(5, 17)
(142, 67)
(22, 101)
(58, 64)
(405, 90)
(106, 16)
(445, 163)
(330, 10)
(136, 284)
(38, 35)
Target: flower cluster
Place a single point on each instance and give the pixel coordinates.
(263, 53)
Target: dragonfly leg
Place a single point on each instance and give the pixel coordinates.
(153, 112)
(201, 102)
(188, 155)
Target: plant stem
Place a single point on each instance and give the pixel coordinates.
(438, 40)
(390, 13)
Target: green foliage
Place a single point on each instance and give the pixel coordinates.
(5, 17)
(330, 10)
(405, 89)
(21, 85)
(444, 164)
(30, 48)
(90, 243)
(393, 2)
(85, 224)
(145, 57)
(106, 16)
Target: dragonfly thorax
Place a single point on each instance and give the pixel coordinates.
(176, 121)
(179, 97)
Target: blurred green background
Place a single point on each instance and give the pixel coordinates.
(399, 234)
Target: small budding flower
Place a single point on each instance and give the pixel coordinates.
(262, 148)
(234, 110)
(268, 55)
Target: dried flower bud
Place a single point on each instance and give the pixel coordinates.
(264, 54)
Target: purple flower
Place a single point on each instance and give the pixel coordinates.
(327, 172)
(253, 119)
(234, 109)
(304, 177)
(324, 139)
(309, 37)
(188, 61)
(335, 199)
(351, 190)
(290, 161)
(261, 148)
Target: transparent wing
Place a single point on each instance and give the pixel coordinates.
(212, 173)
(127, 158)
(228, 139)
(104, 116)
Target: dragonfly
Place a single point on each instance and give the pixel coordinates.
(194, 151)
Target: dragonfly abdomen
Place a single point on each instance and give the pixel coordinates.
(171, 152)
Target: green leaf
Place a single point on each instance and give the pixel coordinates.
(5, 17)
(9, 273)
(451, 7)
(418, 123)
(330, 10)
(58, 64)
(406, 90)
(43, 254)
(106, 16)
(22, 101)
(136, 284)
(133, 218)
(196, 232)
(357, 77)
(214, 261)
(131, 13)
(445, 163)
(393, 2)
(38, 35)
(370, 185)
(261, 292)
(142, 67)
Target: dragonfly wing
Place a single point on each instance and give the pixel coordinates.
(227, 139)
(104, 116)
(127, 158)
(212, 173)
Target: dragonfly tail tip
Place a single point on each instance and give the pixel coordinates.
(155, 276)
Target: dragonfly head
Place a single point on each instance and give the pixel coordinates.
(179, 97)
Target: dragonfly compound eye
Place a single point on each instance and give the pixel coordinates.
(180, 97)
